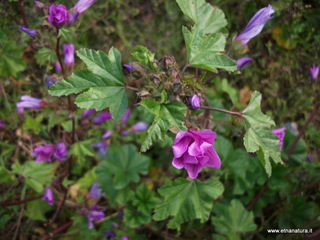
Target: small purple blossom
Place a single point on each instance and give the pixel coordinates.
(48, 196)
(58, 15)
(2, 124)
(83, 5)
(107, 134)
(93, 214)
(44, 152)
(61, 152)
(280, 133)
(102, 147)
(95, 191)
(309, 158)
(101, 118)
(125, 237)
(57, 67)
(314, 72)
(256, 24)
(125, 134)
(68, 50)
(31, 32)
(194, 150)
(49, 81)
(195, 101)
(243, 62)
(109, 234)
(126, 115)
(29, 102)
(88, 113)
(139, 127)
(128, 67)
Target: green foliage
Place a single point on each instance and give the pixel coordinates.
(144, 56)
(259, 138)
(34, 124)
(144, 199)
(82, 150)
(205, 51)
(103, 86)
(166, 116)
(11, 61)
(36, 210)
(233, 219)
(45, 56)
(209, 19)
(186, 200)
(36, 174)
(299, 154)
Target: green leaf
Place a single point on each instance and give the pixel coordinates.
(166, 116)
(88, 179)
(36, 174)
(144, 56)
(66, 34)
(134, 218)
(299, 153)
(205, 51)
(34, 124)
(144, 199)
(11, 60)
(259, 138)
(233, 218)
(209, 18)
(101, 87)
(186, 200)
(124, 164)
(36, 210)
(82, 150)
(45, 56)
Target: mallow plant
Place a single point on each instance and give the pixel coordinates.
(139, 143)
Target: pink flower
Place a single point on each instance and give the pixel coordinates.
(194, 150)
(314, 72)
(195, 101)
(61, 152)
(44, 152)
(58, 15)
(139, 127)
(29, 102)
(48, 195)
(68, 50)
(280, 133)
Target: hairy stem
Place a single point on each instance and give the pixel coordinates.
(239, 114)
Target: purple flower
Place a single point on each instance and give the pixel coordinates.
(29, 102)
(101, 118)
(61, 152)
(31, 32)
(88, 113)
(93, 214)
(194, 150)
(68, 50)
(314, 72)
(83, 5)
(57, 66)
(128, 67)
(95, 191)
(58, 15)
(125, 237)
(107, 134)
(195, 101)
(125, 133)
(109, 234)
(44, 152)
(309, 158)
(49, 81)
(2, 124)
(280, 132)
(256, 24)
(102, 147)
(243, 62)
(139, 127)
(126, 115)
(48, 195)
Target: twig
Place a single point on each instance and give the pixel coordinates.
(18, 223)
(239, 114)
(22, 12)
(257, 197)
(58, 230)
(60, 205)
(184, 68)
(312, 115)
(6, 204)
(132, 88)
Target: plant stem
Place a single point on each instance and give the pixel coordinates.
(256, 198)
(132, 88)
(312, 115)
(58, 230)
(184, 68)
(22, 12)
(239, 114)
(6, 204)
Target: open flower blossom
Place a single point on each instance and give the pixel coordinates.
(107, 134)
(48, 196)
(128, 67)
(93, 214)
(46, 151)
(61, 151)
(243, 62)
(31, 32)
(95, 191)
(83, 5)
(194, 150)
(314, 72)
(68, 50)
(256, 24)
(101, 118)
(29, 102)
(58, 15)
(139, 127)
(195, 101)
(280, 133)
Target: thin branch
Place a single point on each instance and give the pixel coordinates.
(184, 68)
(257, 197)
(239, 114)
(58, 230)
(7, 204)
(132, 88)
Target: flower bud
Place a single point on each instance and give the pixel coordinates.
(195, 101)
